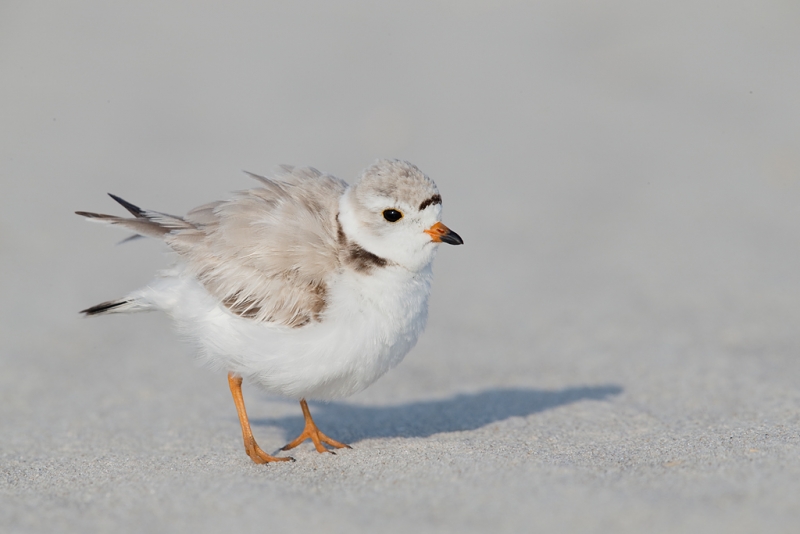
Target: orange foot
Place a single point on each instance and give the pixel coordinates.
(250, 446)
(314, 434)
(258, 455)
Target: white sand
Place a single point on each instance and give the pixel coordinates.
(615, 348)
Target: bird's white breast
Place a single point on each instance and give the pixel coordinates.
(370, 323)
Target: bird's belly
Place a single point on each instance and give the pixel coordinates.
(368, 327)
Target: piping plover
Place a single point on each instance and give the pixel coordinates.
(308, 286)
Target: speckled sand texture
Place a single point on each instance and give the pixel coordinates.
(615, 349)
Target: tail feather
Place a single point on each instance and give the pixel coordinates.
(104, 307)
(140, 226)
(123, 305)
(130, 238)
(145, 222)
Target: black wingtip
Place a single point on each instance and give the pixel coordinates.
(103, 307)
(134, 210)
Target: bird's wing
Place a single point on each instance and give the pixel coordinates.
(266, 254)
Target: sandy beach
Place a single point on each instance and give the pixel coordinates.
(614, 349)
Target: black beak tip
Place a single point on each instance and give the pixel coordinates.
(452, 238)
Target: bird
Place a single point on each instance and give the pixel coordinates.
(304, 285)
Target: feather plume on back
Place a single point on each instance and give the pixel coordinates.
(265, 253)
(245, 253)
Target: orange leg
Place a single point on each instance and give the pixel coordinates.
(314, 434)
(250, 446)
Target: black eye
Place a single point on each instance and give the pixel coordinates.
(392, 215)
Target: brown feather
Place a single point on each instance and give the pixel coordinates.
(140, 226)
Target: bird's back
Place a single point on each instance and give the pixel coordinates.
(267, 253)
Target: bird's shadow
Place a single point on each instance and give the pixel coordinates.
(352, 423)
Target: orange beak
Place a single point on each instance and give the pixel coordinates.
(442, 234)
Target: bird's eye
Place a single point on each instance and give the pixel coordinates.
(392, 215)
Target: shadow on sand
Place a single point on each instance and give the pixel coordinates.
(351, 423)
